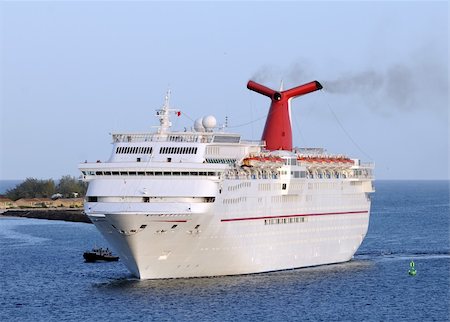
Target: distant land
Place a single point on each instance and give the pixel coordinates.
(8, 184)
(74, 215)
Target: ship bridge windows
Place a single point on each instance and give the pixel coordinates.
(134, 150)
(178, 150)
(227, 139)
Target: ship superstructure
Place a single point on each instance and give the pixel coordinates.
(205, 202)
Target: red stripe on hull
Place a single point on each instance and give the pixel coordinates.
(297, 215)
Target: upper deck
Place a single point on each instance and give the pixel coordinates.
(208, 147)
(188, 137)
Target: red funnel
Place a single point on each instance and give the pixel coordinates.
(277, 131)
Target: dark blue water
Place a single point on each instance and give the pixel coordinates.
(43, 276)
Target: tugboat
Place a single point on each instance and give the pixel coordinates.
(100, 254)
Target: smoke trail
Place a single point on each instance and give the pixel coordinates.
(417, 81)
(399, 86)
(295, 74)
(265, 74)
(363, 82)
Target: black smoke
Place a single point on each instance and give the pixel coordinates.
(416, 82)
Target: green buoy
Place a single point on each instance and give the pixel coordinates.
(412, 270)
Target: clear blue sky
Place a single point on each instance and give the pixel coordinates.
(72, 72)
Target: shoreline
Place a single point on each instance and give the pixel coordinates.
(49, 214)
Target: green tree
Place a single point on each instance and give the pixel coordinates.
(68, 185)
(32, 188)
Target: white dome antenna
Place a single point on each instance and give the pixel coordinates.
(209, 123)
(198, 125)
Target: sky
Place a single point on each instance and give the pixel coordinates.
(71, 73)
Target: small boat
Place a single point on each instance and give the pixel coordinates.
(100, 254)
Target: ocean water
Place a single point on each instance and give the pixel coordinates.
(43, 276)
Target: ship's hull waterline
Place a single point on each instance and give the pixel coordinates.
(175, 248)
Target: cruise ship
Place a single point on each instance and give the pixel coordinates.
(205, 202)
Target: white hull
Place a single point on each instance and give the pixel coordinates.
(240, 238)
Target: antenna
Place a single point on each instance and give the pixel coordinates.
(163, 114)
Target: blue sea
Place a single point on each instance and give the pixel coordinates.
(43, 276)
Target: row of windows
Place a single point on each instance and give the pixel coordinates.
(177, 150)
(209, 160)
(280, 186)
(324, 185)
(297, 186)
(290, 161)
(134, 150)
(213, 150)
(298, 174)
(234, 200)
(147, 199)
(151, 173)
(239, 186)
(149, 149)
(284, 199)
(240, 175)
(278, 221)
(204, 199)
(327, 175)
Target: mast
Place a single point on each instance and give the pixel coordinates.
(163, 114)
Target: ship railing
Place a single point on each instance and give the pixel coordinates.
(202, 137)
(369, 165)
(254, 142)
(156, 137)
(361, 172)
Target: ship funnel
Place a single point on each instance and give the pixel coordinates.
(278, 131)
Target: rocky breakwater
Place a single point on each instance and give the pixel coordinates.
(50, 214)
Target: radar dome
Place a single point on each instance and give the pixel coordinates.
(209, 122)
(198, 125)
